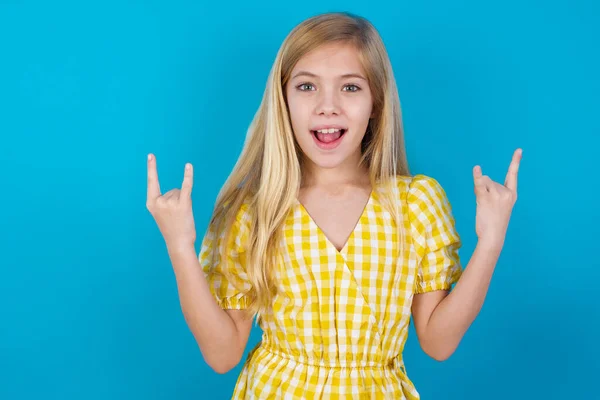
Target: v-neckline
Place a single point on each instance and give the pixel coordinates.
(350, 237)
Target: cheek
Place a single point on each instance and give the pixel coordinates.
(360, 112)
(299, 114)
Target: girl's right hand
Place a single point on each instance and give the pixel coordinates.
(173, 210)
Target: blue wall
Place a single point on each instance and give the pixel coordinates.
(88, 301)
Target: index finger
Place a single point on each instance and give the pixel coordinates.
(513, 170)
(153, 185)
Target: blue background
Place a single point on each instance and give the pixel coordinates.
(88, 301)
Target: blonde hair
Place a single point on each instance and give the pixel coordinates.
(267, 174)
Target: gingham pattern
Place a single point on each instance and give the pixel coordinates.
(339, 324)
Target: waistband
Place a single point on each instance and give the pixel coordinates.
(392, 363)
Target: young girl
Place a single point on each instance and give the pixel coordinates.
(322, 233)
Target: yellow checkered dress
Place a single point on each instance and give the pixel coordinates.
(339, 324)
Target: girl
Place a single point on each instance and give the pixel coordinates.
(322, 234)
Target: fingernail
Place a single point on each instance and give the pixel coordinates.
(187, 166)
(149, 157)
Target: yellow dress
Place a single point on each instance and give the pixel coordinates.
(338, 327)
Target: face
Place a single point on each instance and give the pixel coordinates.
(330, 104)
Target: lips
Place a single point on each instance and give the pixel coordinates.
(328, 137)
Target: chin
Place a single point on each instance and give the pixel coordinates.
(326, 161)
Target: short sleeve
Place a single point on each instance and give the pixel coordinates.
(434, 235)
(226, 273)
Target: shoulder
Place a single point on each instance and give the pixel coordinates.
(426, 190)
(243, 215)
(426, 201)
(420, 189)
(236, 211)
(429, 212)
(230, 222)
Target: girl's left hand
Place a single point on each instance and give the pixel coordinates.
(495, 203)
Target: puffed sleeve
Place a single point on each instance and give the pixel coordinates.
(229, 290)
(434, 235)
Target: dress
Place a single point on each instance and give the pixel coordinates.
(340, 321)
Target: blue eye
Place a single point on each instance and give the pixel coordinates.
(354, 88)
(303, 87)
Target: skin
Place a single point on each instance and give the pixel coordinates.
(334, 191)
(442, 318)
(221, 335)
(328, 86)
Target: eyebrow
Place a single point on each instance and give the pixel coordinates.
(345, 76)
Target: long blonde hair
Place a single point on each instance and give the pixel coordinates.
(268, 172)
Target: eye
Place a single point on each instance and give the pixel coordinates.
(303, 87)
(351, 88)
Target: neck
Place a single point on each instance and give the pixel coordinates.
(350, 172)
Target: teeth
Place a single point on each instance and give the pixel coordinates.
(330, 130)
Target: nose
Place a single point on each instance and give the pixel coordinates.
(328, 103)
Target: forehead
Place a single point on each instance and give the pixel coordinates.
(330, 60)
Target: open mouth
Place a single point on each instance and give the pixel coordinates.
(328, 136)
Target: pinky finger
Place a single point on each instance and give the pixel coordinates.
(188, 181)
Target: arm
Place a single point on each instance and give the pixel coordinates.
(442, 318)
(221, 335)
